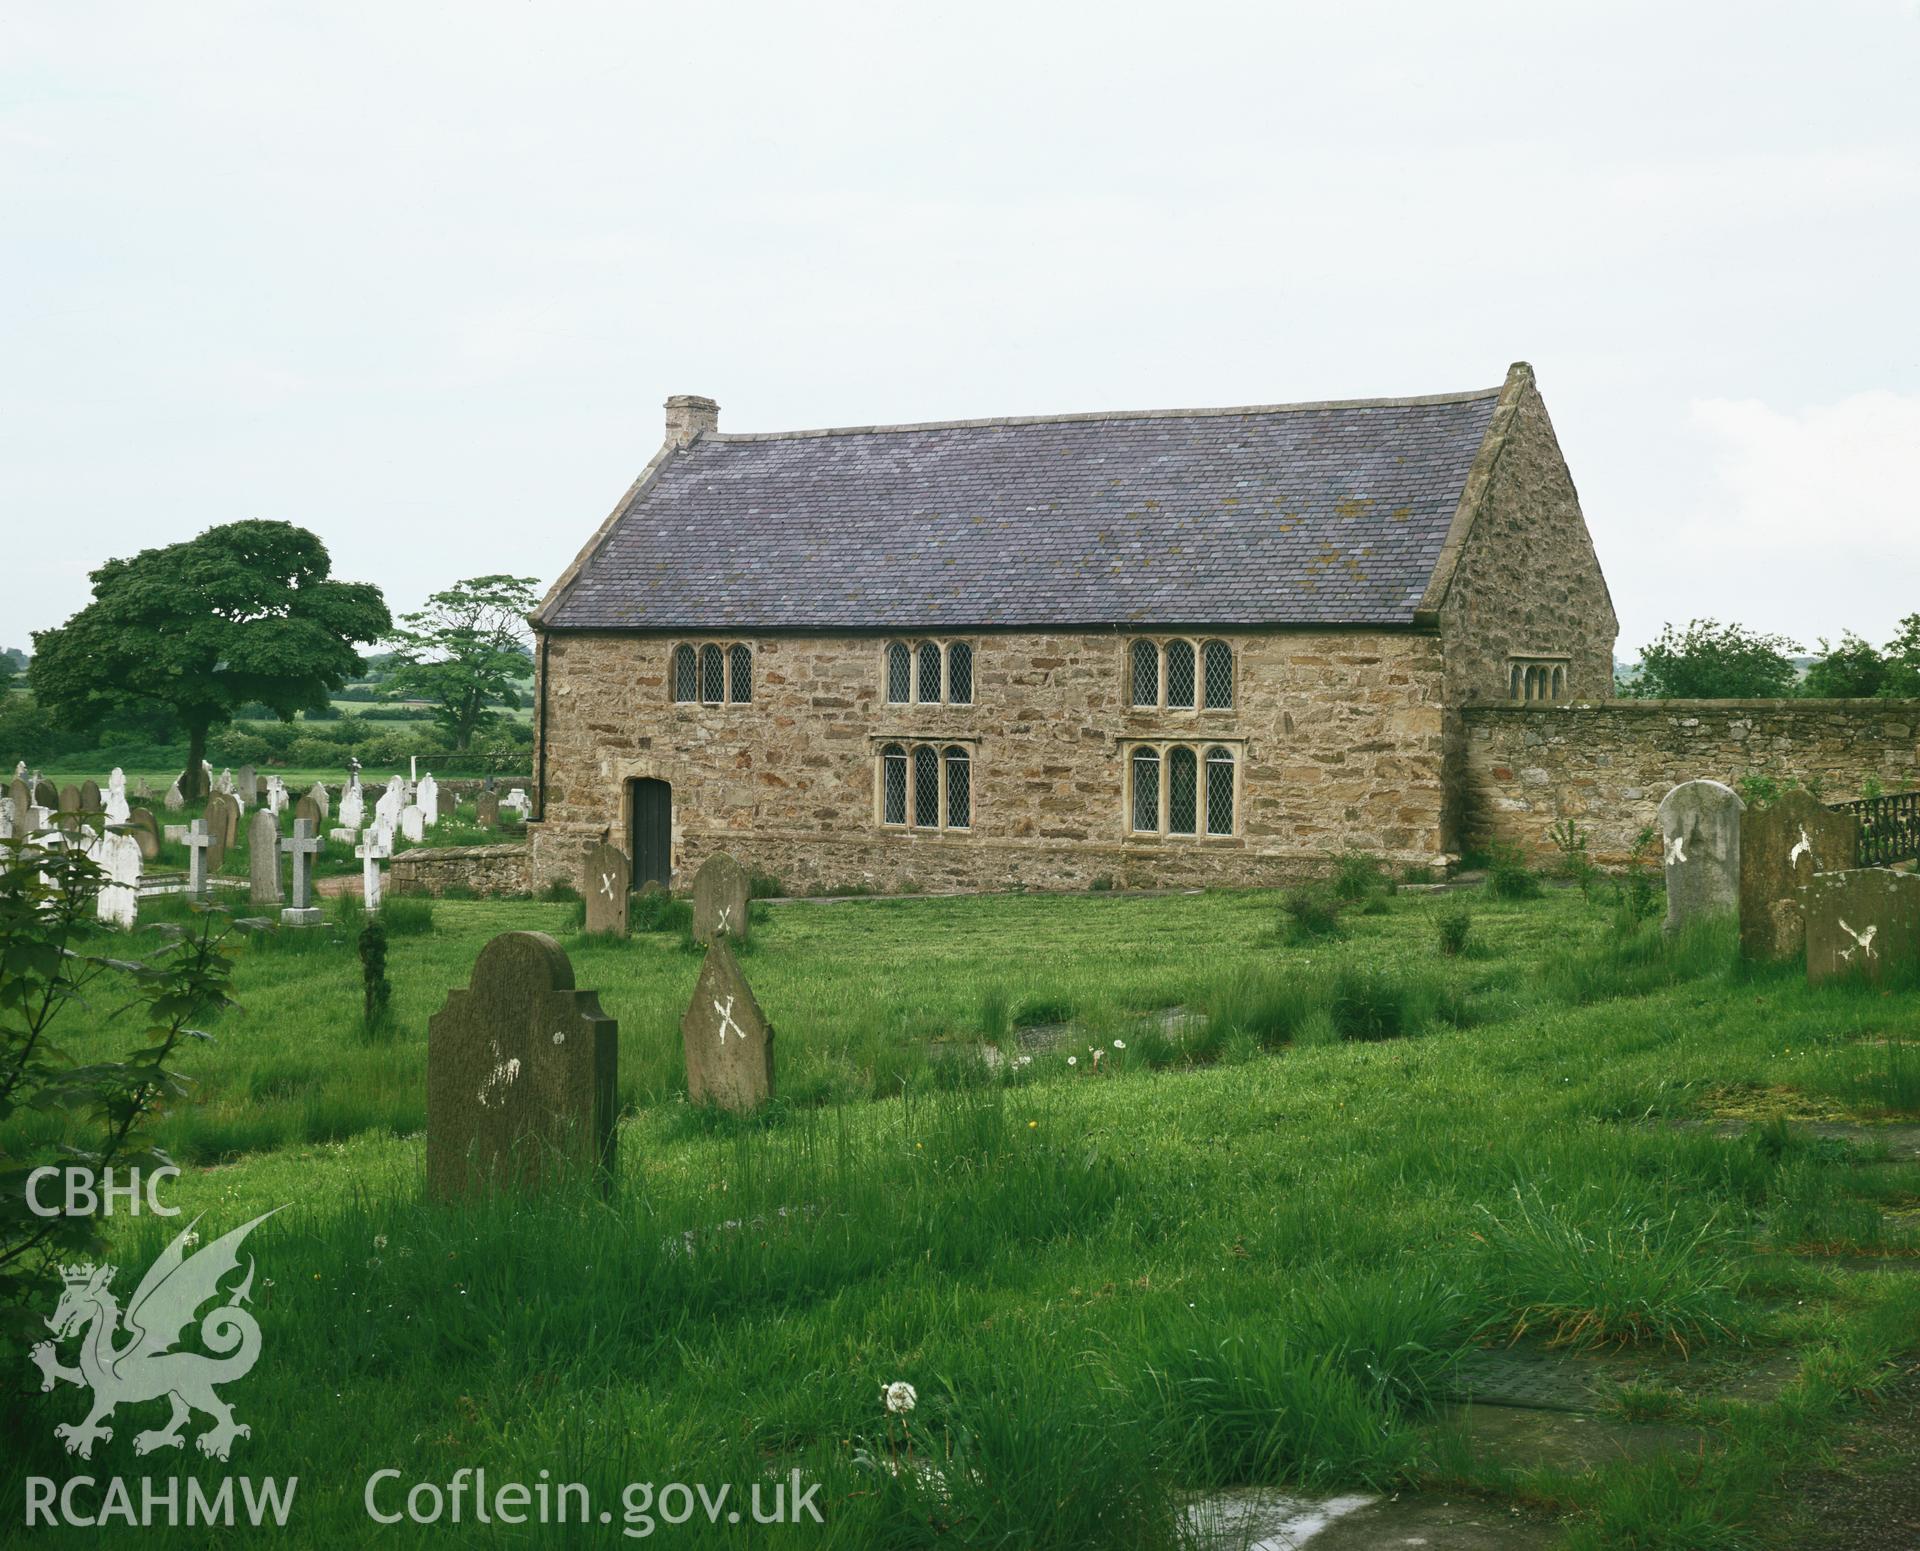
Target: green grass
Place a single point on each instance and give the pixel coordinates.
(1246, 1253)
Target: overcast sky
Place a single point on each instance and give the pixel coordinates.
(419, 276)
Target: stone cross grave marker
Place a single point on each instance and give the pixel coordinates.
(370, 855)
(521, 1074)
(145, 832)
(1861, 923)
(303, 845)
(728, 1040)
(1699, 825)
(263, 857)
(1782, 845)
(487, 810)
(198, 841)
(608, 881)
(119, 858)
(720, 899)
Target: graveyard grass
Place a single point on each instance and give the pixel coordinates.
(1248, 1250)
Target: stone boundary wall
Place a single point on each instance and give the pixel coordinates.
(1607, 765)
(503, 869)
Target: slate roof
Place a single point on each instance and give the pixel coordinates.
(1278, 515)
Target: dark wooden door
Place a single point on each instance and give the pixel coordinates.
(652, 832)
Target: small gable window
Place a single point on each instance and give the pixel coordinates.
(1533, 679)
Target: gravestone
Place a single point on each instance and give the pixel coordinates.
(427, 794)
(608, 880)
(728, 1040)
(90, 798)
(322, 798)
(145, 832)
(303, 846)
(46, 794)
(1699, 825)
(413, 823)
(22, 797)
(6, 816)
(521, 1074)
(486, 810)
(1782, 845)
(720, 899)
(353, 811)
(246, 786)
(1861, 923)
(69, 805)
(370, 855)
(263, 857)
(222, 820)
(116, 798)
(173, 802)
(276, 794)
(120, 861)
(306, 808)
(224, 786)
(199, 842)
(392, 800)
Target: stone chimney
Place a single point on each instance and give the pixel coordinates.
(688, 414)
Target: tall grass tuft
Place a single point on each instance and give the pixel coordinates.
(407, 915)
(1312, 914)
(996, 1013)
(1509, 876)
(1269, 1008)
(1615, 1271)
(1454, 927)
(1357, 875)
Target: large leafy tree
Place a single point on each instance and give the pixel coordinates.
(247, 612)
(1903, 661)
(466, 652)
(1712, 661)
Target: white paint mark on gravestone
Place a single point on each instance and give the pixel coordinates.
(1802, 847)
(1862, 940)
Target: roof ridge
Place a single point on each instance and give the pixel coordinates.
(1408, 402)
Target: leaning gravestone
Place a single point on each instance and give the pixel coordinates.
(720, 899)
(263, 857)
(728, 1040)
(1862, 923)
(1782, 845)
(173, 802)
(521, 1074)
(1700, 842)
(487, 810)
(228, 808)
(146, 833)
(322, 797)
(608, 880)
(46, 795)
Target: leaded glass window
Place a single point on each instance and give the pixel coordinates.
(1180, 674)
(960, 673)
(686, 674)
(929, 673)
(1183, 791)
(1146, 673)
(1217, 663)
(899, 673)
(713, 675)
(959, 788)
(926, 787)
(893, 784)
(740, 675)
(1146, 790)
(1219, 791)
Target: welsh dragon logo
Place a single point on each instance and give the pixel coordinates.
(144, 1366)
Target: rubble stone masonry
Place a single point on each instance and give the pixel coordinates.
(1338, 735)
(1607, 765)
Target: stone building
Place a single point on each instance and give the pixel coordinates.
(1170, 647)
